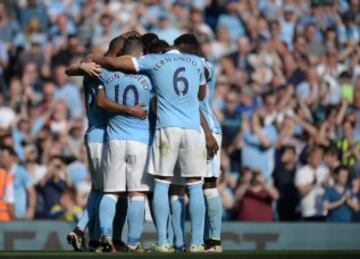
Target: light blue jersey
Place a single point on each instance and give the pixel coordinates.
(176, 78)
(127, 89)
(96, 117)
(205, 105)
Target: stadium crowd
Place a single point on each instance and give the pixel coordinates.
(287, 96)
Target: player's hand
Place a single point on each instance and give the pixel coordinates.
(212, 146)
(91, 68)
(139, 111)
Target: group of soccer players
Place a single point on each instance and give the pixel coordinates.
(152, 136)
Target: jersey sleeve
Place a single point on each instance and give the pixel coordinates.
(103, 76)
(144, 63)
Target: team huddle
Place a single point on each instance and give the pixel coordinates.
(152, 136)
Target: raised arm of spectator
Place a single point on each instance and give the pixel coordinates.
(341, 114)
(264, 140)
(305, 125)
(137, 111)
(287, 98)
(31, 194)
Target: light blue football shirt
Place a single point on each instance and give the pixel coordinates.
(205, 105)
(127, 89)
(176, 78)
(96, 117)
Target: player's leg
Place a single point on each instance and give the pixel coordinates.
(119, 222)
(88, 218)
(213, 216)
(192, 161)
(213, 204)
(162, 162)
(177, 222)
(114, 184)
(139, 184)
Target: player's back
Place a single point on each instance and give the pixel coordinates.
(127, 89)
(176, 78)
(97, 119)
(205, 105)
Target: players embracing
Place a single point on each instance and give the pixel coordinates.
(184, 140)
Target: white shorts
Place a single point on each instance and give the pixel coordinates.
(95, 155)
(185, 147)
(213, 165)
(125, 164)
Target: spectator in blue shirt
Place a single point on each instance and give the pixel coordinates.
(33, 10)
(339, 201)
(232, 20)
(166, 31)
(68, 92)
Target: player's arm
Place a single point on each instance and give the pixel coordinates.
(154, 105)
(124, 63)
(83, 68)
(202, 92)
(103, 102)
(212, 146)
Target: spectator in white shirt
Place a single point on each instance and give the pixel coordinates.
(310, 181)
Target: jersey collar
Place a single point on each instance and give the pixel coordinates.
(173, 51)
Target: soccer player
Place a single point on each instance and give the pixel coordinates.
(179, 83)
(189, 44)
(94, 138)
(212, 130)
(125, 159)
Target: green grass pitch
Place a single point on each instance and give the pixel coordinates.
(225, 255)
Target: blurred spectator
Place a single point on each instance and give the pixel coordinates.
(339, 200)
(255, 197)
(52, 185)
(355, 190)
(165, 30)
(284, 179)
(8, 26)
(260, 136)
(66, 209)
(7, 197)
(311, 180)
(231, 20)
(24, 191)
(67, 91)
(33, 9)
(305, 53)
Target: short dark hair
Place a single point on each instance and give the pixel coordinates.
(188, 43)
(116, 45)
(157, 47)
(133, 46)
(148, 39)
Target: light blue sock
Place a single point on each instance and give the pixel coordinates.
(87, 215)
(214, 212)
(120, 217)
(161, 210)
(197, 212)
(107, 213)
(136, 217)
(178, 218)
